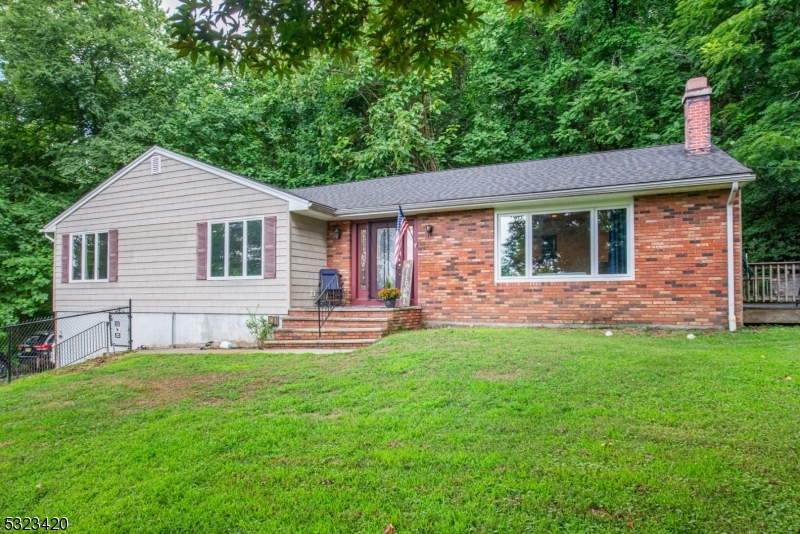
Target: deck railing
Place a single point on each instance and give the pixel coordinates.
(775, 281)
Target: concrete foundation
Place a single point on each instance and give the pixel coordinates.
(158, 330)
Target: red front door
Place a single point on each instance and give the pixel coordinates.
(374, 259)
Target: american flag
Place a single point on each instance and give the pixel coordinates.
(402, 228)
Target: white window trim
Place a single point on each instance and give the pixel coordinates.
(593, 208)
(83, 257)
(226, 222)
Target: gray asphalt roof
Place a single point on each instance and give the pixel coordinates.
(587, 171)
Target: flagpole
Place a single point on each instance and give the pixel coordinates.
(413, 237)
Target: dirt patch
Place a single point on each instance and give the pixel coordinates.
(94, 363)
(210, 389)
(155, 392)
(493, 376)
(258, 383)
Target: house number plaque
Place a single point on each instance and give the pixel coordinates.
(405, 283)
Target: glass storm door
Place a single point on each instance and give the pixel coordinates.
(382, 265)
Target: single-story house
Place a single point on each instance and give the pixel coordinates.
(643, 236)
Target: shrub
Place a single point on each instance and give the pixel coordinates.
(259, 327)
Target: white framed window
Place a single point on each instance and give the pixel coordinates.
(89, 257)
(593, 242)
(236, 249)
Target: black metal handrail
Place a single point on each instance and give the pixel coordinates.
(84, 344)
(326, 303)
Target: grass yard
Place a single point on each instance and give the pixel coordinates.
(451, 430)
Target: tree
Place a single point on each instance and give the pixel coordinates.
(280, 36)
(752, 53)
(79, 86)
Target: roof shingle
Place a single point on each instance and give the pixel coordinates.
(569, 173)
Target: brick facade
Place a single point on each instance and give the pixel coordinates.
(339, 253)
(680, 271)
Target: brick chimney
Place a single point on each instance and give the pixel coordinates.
(697, 116)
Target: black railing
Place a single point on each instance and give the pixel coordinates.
(329, 298)
(84, 345)
(50, 342)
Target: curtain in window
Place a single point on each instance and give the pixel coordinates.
(617, 246)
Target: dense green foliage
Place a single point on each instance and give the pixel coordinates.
(281, 36)
(448, 430)
(87, 86)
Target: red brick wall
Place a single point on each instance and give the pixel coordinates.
(680, 270)
(339, 253)
(680, 267)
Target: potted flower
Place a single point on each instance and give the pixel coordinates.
(389, 294)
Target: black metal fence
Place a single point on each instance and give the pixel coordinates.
(67, 338)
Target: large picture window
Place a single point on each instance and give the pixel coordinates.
(559, 244)
(89, 257)
(236, 249)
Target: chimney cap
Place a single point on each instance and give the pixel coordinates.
(696, 87)
(696, 83)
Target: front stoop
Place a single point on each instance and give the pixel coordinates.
(347, 327)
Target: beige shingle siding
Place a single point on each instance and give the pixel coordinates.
(309, 255)
(157, 217)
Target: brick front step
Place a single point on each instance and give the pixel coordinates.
(291, 322)
(358, 312)
(320, 344)
(346, 327)
(286, 334)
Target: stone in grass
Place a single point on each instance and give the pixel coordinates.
(609, 333)
(690, 336)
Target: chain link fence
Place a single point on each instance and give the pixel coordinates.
(64, 339)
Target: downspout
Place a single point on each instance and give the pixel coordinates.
(731, 270)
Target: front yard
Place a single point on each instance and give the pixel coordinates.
(452, 430)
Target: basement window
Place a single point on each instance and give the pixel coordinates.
(89, 257)
(586, 243)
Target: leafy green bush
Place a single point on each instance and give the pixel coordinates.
(259, 327)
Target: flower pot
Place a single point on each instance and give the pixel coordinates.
(389, 303)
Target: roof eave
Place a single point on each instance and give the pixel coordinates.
(482, 202)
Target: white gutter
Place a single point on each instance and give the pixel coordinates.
(51, 239)
(731, 270)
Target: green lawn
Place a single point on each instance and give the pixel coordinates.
(451, 430)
